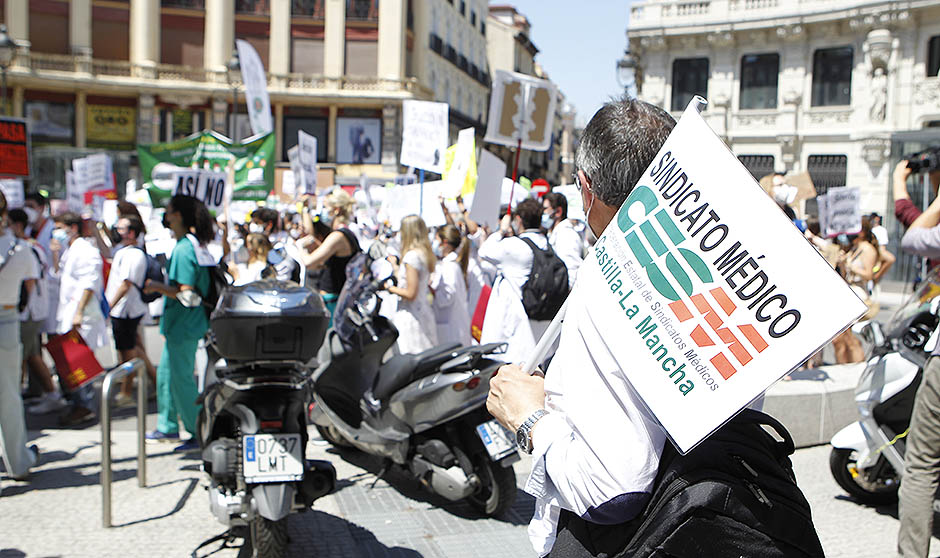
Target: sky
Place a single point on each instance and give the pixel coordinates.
(579, 44)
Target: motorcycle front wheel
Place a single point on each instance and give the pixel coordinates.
(497, 490)
(883, 490)
(269, 538)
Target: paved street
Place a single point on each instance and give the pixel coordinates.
(58, 514)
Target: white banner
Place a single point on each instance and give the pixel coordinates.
(402, 201)
(702, 290)
(424, 135)
(74, 192)
(521, 107)
(256, 88)
(207, 186)
(840, 211)
(12, 189)
(491, 172)
(308, 162)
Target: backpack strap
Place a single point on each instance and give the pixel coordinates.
(548, 247)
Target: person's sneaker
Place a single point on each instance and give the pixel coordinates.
(155, 437)
(34, 449)
(122, 401)
(189, 445)
(76, 417)
(48, 403)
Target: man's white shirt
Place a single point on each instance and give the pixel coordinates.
(569, 246)
(129, 264)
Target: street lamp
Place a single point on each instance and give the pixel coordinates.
(626, 73)
(233, 67)
(7, 54)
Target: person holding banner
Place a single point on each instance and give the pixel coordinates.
(414, 317)
(595, 446)
(15, 266)
(182, 326)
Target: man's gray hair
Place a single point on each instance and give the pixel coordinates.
(618, 144)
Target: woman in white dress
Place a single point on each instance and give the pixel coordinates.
(414, 317)
(449, 285)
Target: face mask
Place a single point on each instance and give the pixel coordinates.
(61, 235)
(256, 228)
(436, 248)
(115, 236)
(326, 218)
(547, 221)
(31, 214)
(295, 233)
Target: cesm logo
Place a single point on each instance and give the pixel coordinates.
(684, 278)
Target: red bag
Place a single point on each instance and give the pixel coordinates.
(476, 324)
(75, 363)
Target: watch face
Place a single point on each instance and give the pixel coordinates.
(522, 438)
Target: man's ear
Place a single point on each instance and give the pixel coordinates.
(587, 196)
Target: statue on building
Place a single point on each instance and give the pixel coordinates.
(879, 95)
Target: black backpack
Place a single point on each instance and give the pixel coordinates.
(155, 273)
(733, 495)
(547, 287)
(219, 279)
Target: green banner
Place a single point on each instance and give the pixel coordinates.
(254, 163)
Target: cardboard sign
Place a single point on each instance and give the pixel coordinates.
(12, 189)
(486, 198)
(206, 186)
(460, 172)
(702, 290)
(840, 211)
(14, 147)
(307, 159)
(424, 135)
(521, 108)
(256, 88)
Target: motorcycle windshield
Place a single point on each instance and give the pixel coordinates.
(919, 301)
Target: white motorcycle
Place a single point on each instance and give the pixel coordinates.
(867, 458)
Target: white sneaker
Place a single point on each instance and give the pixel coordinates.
(48, 403)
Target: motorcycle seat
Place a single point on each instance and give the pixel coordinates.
(401, 370)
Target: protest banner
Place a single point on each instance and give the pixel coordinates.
(424, 135)
(15, 147)
(256, 88)
(522, 109)
(486, 199)
(840, 211)
(206, 186)
(96, 175)
(460, 169)
(293, 157)
(12, 189)
(701, 290)
(414, 199)
(308, 162)
(254, 164)
(74, 194)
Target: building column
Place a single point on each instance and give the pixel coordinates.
(391, 137)
(278, 130)
(331, 134)
(219, 36)
(334, 41)
(392, 21)
(280, 34)
(81, 112)
(146, 109)
(16, 17)
(145, 37)
(80, 26)
(18, 96)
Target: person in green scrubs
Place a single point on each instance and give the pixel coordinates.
(182, 326)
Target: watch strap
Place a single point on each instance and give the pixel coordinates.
(525, 430)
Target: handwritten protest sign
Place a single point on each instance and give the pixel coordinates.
(206, 186)
(402, 201)
(74, 193)
(521, 108)
(424, 135)
(307, 159)
(840, 211)
(486, 198)
(702, 290)
(12, 189)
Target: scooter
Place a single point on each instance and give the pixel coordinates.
(867, 458)
(252, 427)
(423, 412)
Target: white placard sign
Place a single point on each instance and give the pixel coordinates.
(402, 201)
(308, 162)
(490, 174)
(293, 157)
(702, 290)
(98, 172)
(206, 186)
(256, 88)
(12, 189)
(74, 192)
(424, 135)
(521, 107)
(840, 211)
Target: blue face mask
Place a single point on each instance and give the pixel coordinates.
(326, 218)
(547, 221)
(61, 235)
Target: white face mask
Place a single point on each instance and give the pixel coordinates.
(295, 233)
(256, 228)
(31, 214)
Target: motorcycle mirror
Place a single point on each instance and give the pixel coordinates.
(189, 299)
(381, 270)
(366, 305)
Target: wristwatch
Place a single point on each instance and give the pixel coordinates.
(524, 434)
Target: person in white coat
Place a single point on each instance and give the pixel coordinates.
(506, 319)
(565, 240)
(80, 284)
(449, 285)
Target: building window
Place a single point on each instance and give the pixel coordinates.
(827, 171)
(473, 18)
(758, 165)
(933, 56)
(832, 77)
(463, 7)
(362, 10)
(759, 81)
(483, 27)
(689, 78)
(50, 123)
(316, 127)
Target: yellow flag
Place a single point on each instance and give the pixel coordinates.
(470, 182)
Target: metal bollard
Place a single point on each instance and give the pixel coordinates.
(130, 367)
